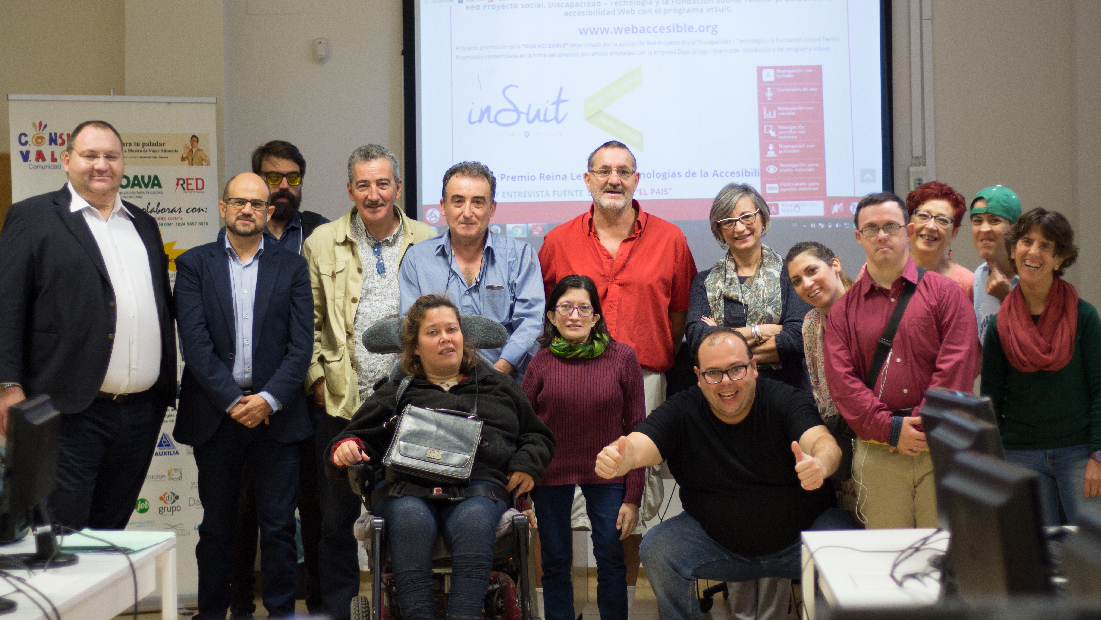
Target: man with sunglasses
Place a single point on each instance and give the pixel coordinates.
(752, 459)
(935, 345)
(283, 166)
(86, 318)
(245, 333)
(354, 264)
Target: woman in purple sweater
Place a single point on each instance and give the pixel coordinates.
(588, 389)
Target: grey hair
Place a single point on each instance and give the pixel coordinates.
(471, 170)
(612, 144)
(371, 152)
(725, 202)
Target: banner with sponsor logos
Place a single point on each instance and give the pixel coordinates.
(171, 172)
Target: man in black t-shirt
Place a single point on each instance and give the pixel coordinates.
(751, 457)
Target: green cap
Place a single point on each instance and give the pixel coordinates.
(1000, 201)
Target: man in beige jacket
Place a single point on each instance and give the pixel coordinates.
(354, 273)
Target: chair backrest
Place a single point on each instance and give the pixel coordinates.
(481, 332)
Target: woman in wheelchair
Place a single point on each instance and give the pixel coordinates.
(514, 451)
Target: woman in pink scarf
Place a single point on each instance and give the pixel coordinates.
(1042, 369)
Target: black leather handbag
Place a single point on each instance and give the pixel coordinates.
(435, 445)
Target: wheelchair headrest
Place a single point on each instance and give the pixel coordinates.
(479, 331)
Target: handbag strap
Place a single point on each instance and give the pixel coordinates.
(883, 345)
(405, 383)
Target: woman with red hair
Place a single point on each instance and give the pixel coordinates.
(936, 211)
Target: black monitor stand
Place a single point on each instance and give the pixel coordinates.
(46, 554)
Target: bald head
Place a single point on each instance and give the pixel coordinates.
(244, 205)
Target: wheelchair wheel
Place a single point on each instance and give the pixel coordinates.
(361, 608)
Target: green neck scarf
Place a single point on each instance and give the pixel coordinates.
(584, 350)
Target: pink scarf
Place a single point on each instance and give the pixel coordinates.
(1047, 344)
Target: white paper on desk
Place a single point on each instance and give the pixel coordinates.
(128, 541)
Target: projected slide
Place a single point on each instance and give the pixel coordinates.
(782, 94)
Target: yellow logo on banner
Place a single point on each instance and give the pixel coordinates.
(595, 114)
(173, 254)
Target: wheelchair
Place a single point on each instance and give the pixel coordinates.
(512, 578)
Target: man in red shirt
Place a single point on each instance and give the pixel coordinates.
(935, 346)
(642, 268)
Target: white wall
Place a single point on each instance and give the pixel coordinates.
(1016, 90)
(274, 90)
(44, 50)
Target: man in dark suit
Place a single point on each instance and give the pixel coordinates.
(246, 330)
(86, 318)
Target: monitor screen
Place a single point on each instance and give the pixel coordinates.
(951, 427)
(997, 545)
(30, 464)
(790, 97)
(1082, 554)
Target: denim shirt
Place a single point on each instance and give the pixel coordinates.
(508, 289)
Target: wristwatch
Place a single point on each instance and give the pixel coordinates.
(1096, 456)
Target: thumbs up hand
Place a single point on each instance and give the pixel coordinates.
(611, 458)
(807, 467)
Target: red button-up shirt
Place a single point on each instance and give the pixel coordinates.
(935, 346)
(648, 279)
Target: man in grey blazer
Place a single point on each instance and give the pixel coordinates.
(86, 318)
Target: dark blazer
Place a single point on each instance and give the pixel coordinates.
(282, 340)
(57, 306)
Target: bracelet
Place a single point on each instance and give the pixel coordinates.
(756, 330)
(896, 431)
(4, 386)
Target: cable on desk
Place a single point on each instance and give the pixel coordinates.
(916, 547)
(114, 549)
(22, 586)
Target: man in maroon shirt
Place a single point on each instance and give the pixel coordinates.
(935, 346)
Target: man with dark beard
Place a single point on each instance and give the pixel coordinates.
(281, 164)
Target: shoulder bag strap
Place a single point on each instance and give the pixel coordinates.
(883, 345)
(401, 390)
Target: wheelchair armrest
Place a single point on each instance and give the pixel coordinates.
(362, 477)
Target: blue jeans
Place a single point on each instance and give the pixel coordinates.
(677, 551)
(553, 508)
(469, 530)
(1062, 479)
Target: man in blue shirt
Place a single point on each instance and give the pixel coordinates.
(482, 272)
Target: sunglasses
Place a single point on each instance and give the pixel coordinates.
(275, 178)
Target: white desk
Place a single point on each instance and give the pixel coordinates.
(100, 585)
(852, 568)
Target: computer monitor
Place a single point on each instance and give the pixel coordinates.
(1082, 555)
(30, 475)
(939, 401)
(997, 545)
(951, 427)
